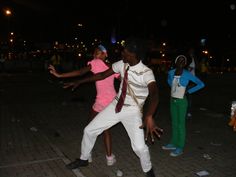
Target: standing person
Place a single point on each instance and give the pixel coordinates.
(105, 91)
(178, 79)
(193, 61)
(192, 68)
(137, 84)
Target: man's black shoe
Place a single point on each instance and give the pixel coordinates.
(77, 163)
(150, 173)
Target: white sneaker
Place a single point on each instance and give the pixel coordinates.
(111, 160)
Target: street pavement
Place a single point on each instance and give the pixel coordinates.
(41, 126)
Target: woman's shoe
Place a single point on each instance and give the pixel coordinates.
(169, 147)
(111, 160)
(176, 152)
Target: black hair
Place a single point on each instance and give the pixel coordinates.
(136, 45)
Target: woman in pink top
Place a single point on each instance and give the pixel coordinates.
(105, 91)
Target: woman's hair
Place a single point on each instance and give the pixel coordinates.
(179, 57)
(102, 48)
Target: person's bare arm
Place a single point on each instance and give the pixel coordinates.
(95, 77)
(75, 73)
(151, 106)
(153, 99)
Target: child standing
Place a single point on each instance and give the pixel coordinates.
(178, 80)
(105, 91)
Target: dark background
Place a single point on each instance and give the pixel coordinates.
(43, 20)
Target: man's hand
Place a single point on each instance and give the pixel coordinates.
(151, 129)
(74, 85)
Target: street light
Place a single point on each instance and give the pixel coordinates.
(8, 12)
(10, 34)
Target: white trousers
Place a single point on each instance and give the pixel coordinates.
(131, 118)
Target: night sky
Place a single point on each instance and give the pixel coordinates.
(41, 20)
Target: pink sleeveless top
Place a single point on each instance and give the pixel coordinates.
(105, 88)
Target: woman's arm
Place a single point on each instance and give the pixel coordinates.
(75, 73)
(198, 84)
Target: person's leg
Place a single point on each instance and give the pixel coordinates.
(106, 136)
(132, 120)
(182, 109)
(107, 142)
(92, 114)
(110, 157)
(181, 129)
(174, 113)
(104, 120)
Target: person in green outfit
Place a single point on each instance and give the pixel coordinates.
(178, 79)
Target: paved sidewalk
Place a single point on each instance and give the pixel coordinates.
(41, 127)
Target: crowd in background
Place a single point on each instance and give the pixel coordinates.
(70, 59)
